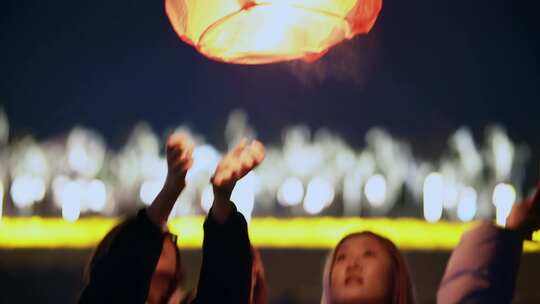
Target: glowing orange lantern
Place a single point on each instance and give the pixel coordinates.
(267, 31)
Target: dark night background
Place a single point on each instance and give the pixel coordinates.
(427, 68)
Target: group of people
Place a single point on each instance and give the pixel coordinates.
(138, 261)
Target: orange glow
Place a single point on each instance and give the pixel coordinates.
(268, 31)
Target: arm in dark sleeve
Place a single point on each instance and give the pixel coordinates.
(120, 272)
(226, 266)
(483, 267)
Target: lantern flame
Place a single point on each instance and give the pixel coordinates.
(260, 32)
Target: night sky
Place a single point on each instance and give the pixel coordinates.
(427, 68)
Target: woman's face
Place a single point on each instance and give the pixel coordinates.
(361, 272)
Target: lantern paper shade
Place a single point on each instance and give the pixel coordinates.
(258, 32)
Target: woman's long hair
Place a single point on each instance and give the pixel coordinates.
(259, 288)
(102, 249)
(403, 290)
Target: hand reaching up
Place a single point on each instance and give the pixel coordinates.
(236, 164)
(179, 158)
(179, 148)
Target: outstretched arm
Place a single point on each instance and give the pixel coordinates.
(227, 262)
(179, 159)
(122, 266)
(483, 267)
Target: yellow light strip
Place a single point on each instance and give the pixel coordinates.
(1, 199)
(300, 233)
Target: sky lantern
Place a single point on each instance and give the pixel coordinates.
(269, 31)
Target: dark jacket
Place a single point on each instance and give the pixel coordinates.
(121, 271)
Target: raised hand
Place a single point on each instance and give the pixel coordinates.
(525, 216)
(236, 164)
(179, 149)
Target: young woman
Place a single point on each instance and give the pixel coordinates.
(366, 268)
(138, 261)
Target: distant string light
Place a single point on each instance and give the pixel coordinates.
(149, 190)
(320, 193)
(96, 195)
(375, 190)
(85, 152)
(291, 192)
(205, 161)
(352, 192)
(467, 205)
(26, 190)
(433, 197)
(502, 152)
(504, 197)
(70, 197)
(287, 177)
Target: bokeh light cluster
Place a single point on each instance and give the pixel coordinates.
(307, 173)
